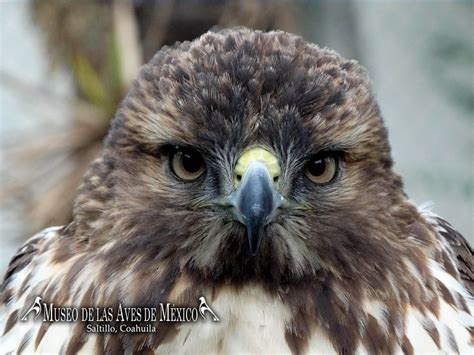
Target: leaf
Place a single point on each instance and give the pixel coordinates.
(89, 81)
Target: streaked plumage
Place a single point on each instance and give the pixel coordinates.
(345, 266)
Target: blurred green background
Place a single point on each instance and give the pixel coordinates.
(65, 65)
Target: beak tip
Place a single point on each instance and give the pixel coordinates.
(253, 249)
(254, 237)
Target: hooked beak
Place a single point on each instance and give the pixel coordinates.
(255, 202)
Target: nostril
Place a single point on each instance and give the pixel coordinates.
(275, 178)
(238, 177)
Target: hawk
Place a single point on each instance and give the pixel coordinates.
(253, 169)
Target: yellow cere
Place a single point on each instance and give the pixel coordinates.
(260, 154)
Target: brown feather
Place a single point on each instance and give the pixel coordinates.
(462, 253)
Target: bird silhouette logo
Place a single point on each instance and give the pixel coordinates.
(35, 307)
(203, 308)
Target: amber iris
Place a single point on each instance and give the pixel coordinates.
(187, 164)
(321, 169)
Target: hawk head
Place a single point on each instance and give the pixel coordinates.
(248, 156)
(253, 169)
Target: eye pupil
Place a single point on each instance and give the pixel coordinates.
(192, 163)
(317, 167)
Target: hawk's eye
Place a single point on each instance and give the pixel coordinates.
(187, 164)
(321, 168)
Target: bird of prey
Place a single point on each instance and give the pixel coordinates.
(253, 169)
